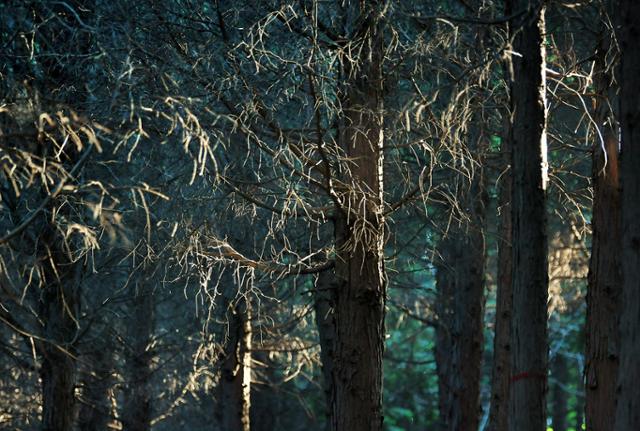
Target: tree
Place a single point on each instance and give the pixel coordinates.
(603, 292)
(628, 403)
(528, 163)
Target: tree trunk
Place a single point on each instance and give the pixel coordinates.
(501, 372)
(136, 414)
(360, 297)
(95, 414)
(604, 285)
(234, 389)
(628, 407)
(58, 311)
(459, 336)
(560, 373)
(530, 269)
(324, 306)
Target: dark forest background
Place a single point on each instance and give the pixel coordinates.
(313, 215)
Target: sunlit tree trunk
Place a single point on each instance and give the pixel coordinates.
(360, 295)
(605, 278)
(628, 407)
(527, 410)
(234, 387)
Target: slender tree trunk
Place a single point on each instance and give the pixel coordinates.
(234, 390)
(444, 338)
(501, 372)
(360, 297)
(459, 336)
(527, 410)
(628, 407)
(136, 413)
(561, 375)
(605, 278)
(324, 305)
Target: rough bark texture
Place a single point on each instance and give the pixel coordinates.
(628, 407)
(560, 375)
(359, 344)
(136, 411)
(459, 333)
(605, 277)
(530, 269)
(501, 371)
(234, 389)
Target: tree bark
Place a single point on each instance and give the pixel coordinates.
(136, 413)
(360, 297)
(459, 334)
(501, 371)
(324, 307)
(628, 407)
(59, 305)
(234, 389)
(530, 268)
(605, 278)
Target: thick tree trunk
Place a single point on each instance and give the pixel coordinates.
(560, 374)
(136, 412)
(234, 390)
(605, 278)
(360, 297)
(529, 344)
(501, 372)
(628, 407)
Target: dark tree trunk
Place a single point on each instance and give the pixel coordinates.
(560, 374)
(58, 370)
(628, 407)
(360, 297)
(58, 310)
(95, 414)
(459, 334)
(527, 410)
(324, 305)
(605, 278)
(136, 412)
(265, 395)
(501, 372)
(234, 388)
